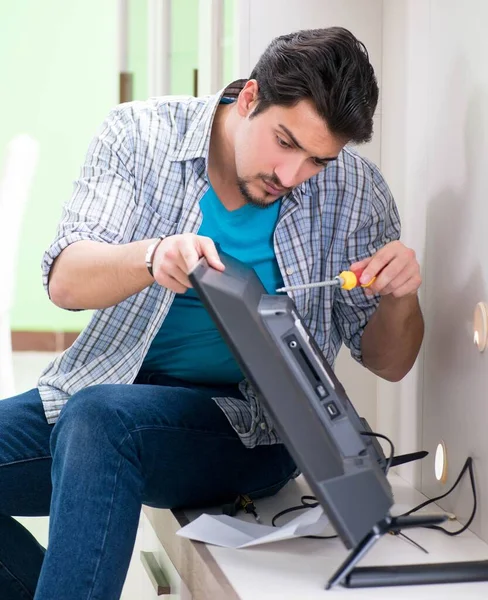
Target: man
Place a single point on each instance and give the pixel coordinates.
(148, 405)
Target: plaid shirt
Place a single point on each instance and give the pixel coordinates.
(144, 176)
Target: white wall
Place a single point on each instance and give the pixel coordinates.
(257, 23)
(404, 165)
(434, 154)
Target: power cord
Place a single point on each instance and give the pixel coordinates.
(392, 447)
(306, 502)
(468, 466)
(311, 501)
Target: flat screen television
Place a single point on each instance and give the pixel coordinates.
(308, 406)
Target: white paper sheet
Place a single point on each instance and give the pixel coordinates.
(230, 532)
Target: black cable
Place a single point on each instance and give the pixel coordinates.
(311, 501)
(304, 504)
(392, 447)
(468, 466)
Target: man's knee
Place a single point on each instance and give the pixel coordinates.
(95, 399)
(88, 413)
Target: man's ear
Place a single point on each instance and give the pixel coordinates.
(248, 98)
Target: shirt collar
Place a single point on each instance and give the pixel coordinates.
(196, 141)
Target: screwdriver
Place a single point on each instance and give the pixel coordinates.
(347, 280)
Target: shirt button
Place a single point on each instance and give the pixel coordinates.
(262, 425)
(289, 271)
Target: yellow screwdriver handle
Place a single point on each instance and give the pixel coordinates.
(350, 281)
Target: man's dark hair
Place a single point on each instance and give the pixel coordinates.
(331, 68)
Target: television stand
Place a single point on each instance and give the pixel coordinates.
(421, 574)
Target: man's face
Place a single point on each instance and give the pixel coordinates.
(279, 149)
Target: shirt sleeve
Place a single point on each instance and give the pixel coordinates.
(102, 205)
(380, 225)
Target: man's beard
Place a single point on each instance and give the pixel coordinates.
(243, 185)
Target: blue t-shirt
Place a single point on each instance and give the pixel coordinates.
(188, 346)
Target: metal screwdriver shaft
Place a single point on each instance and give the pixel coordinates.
(348, 280)
(306, 286)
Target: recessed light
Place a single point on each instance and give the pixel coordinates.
(440, 463)
(480, 326)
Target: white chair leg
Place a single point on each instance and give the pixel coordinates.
(7, 387)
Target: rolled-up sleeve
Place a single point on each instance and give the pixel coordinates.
(380, 225)
(102, 205)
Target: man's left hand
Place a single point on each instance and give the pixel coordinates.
(396, 270)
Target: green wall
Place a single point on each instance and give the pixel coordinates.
(228, 41)
(59, 79)
(138, 47)
(58, 60)
(184, 45)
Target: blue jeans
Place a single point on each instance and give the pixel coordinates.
(161, 442)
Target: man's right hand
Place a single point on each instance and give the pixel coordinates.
(176, 256)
